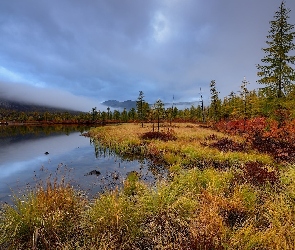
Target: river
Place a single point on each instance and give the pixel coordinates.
(31, 155)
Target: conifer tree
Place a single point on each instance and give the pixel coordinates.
(159, 111)
(140, 107)
(215, 102)
(244, 96)
(277, 73)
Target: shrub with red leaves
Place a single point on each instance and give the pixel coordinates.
(226, 145)
(163, 136)
(264, 135)
(257, 174)
(244, 126)
(282, 149)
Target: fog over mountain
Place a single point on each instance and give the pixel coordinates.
(51, 97)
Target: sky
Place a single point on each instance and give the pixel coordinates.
(76, 54)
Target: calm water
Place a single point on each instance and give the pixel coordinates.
(23, 161)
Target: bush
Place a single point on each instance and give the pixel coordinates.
(257, 174)
(160, 135)
(43, 219)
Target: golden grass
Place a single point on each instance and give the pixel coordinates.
(186, 150)
(42, 218)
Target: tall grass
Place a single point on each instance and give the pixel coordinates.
(198, 209)
(43, 218)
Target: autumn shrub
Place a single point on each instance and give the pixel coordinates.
(257, 174)
(208, 228)
(211, 137)
(264, 135)
(281, 148)
(43, 219)
(160, 135)
(242, 126)
(226, 144)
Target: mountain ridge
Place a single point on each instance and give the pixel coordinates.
(129, 104)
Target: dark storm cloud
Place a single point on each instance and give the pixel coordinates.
(110, 49)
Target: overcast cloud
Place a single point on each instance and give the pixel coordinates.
(77, 54)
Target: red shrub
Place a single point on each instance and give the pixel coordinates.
(257, 174)
(164, 136)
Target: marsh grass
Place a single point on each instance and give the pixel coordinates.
(196, 208)
(42, 218)
(189, 147)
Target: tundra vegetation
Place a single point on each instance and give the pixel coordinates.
(222, 191)
(229, 183)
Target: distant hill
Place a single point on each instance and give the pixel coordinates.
(27, 107)
(120, 105)
(132, 104)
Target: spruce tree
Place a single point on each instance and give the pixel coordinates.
(244, 96)
(140, 107)
(215, 102)
(159, 110)
(277, 73)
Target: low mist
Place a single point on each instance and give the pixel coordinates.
(47, 97)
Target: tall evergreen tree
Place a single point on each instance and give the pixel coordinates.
(140, 107)
(132, 114)
(94, 114)
(159, 111)
(244, 96)
(215, 102)
(202, 105)
(124, 115)
(277, 73)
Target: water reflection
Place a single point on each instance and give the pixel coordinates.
(156, 167)
(23, 161)
(26, 132)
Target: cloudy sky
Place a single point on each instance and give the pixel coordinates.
(77, 54)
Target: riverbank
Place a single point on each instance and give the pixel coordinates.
(220, 194)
